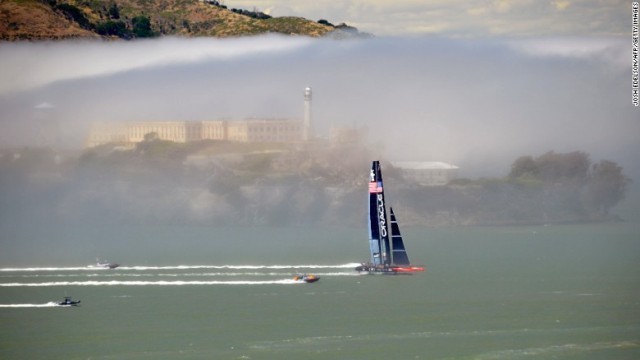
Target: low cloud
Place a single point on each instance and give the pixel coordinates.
(26, 66)
(611, 50)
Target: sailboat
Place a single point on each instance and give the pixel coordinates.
(388, 254)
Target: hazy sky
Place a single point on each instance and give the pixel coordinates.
(486, 84)
(460, 18)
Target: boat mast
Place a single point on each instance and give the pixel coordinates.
(378, 229)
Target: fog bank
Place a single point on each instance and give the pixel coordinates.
(475, 103)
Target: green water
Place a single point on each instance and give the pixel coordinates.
(557, 292)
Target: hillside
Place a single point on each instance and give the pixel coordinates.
(36, 20)
(129, 19)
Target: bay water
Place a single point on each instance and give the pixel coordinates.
(531, 292)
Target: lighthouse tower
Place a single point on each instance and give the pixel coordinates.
(307, 130)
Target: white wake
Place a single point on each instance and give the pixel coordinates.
(49, 304)
(181, 267)
(151, 283)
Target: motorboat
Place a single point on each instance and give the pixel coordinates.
(106, 265)
(68, 302)
(308, 278)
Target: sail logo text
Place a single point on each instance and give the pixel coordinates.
(381, 216)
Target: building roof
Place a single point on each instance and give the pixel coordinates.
(424, 165)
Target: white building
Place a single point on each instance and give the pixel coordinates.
(279, 130)
(428, 173)
(248, 130)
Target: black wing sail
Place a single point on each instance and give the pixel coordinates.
(378, 233)
(399, 252)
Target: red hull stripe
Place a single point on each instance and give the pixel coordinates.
(408, 269)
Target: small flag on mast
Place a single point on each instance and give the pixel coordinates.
(375, 187)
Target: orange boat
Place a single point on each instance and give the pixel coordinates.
(306, 278)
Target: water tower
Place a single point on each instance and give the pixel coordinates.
(307, 130)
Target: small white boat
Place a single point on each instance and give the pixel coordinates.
(105, 264)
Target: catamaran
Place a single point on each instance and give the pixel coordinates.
(388, 254)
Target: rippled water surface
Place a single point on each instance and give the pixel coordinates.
(561, 292)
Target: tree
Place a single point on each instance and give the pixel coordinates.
(75, 14)
(325, 22)
(114, 12)
(607, 185)
(142, 27)
(151, 136)
(570, 183)
(554, 168)
(524, 166)
(114, 28)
